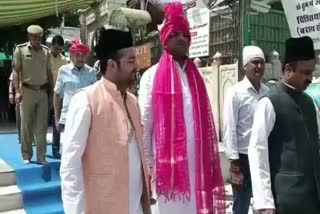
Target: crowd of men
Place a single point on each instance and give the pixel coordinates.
(42, 83)
(122, 154)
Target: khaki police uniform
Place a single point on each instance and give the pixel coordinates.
(17, 109)
(35, 71)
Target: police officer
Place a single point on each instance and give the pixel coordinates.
(32, 79)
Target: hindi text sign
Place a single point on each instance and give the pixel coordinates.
(199, 20)
(303, 17)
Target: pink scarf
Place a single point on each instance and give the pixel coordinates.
(172, 172)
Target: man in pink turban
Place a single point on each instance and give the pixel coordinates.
(78, 48)
(179, 134)
(71, 78)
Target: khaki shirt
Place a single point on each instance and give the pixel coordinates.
(33, 65)
(57, 62)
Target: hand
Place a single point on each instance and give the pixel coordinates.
(237, 177)
(11, 98)
(237, 181)
(152, 200)
(267, 211)
(18, 97)
(61, 128)
(58, 125)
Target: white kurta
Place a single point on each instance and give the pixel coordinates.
(145, 101)
(76, 134)
(263, 123)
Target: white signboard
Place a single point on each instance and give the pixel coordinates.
(303, 17)
(199, 20)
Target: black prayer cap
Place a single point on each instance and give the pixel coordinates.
(110, 41)
(299, 49)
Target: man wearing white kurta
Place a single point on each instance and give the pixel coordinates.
(177, 122)
(238, 117)
(145, 98)
(103, 167)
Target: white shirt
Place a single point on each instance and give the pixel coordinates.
(263, 123)
(76, 134)
(238, 112)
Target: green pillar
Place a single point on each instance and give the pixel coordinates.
(247, 29)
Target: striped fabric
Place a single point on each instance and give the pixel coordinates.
(14, 12)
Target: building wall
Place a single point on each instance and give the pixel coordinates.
(97, 17)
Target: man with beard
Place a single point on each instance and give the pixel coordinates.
(103, 166)
(238, 117)
(284, 145)
(179, 134)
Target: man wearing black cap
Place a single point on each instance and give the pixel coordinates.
(103, 169)
(284, 145)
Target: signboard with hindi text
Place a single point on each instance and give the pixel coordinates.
(199, 20)
(303, 17)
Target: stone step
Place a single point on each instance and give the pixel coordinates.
(20, 211)
(10, 198)
(8, 177)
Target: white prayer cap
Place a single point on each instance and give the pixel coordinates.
(251, 52)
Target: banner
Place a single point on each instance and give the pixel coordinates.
(199, 20)
(303, 17)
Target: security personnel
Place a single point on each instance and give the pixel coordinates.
(32, 79)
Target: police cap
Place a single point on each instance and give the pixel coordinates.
(35, 29)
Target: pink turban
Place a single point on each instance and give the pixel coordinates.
(77, 47)
(175, 21)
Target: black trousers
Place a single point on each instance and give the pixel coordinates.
(55, 138)
(312, 207)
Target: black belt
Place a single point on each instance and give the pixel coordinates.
(35, 87)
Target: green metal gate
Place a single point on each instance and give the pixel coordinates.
(268, 31)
